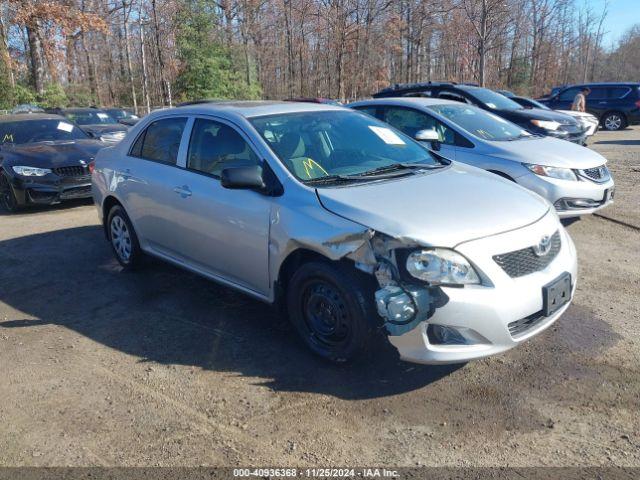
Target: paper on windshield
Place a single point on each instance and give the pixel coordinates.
(65, 127)
(387, 135)
(103, 116)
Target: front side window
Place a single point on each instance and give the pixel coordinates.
(39, 131)
(569, 94)
(412, 121)
(215, 146)
(597, 93)
(320, 144)
(480, 123)
(160, 142)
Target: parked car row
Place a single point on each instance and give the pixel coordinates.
(401, 216)
(615, 105)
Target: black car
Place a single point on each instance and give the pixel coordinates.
(617, 105)
(44, 159)
(123, 116)
(95, 122)
(537, 121)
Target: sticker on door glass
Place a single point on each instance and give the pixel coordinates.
(65, 127)
(387, 135)
(103, 116)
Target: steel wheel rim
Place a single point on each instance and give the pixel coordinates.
(121, 238)
(326, 315)
(613, 122)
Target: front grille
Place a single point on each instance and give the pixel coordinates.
(522, 326)
(72, 171)
(597, 174)
(525, 261)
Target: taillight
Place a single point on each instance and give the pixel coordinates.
(92, 166)
(638, 103)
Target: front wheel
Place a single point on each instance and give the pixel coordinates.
(7, 197)
(613, 121)
(123, 239)
(330, 306)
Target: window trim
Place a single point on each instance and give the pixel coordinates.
(143, 133)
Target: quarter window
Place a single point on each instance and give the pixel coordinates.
(215, 146)
(160, 142)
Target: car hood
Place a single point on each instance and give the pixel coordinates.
(574, 113)
(440, 208)
(100, 129)
(548, 151)
(538, 114)
(52, 154)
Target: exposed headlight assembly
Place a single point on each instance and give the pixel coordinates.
(31, 171)
(553, 172)
(546, 124)
(440, 266)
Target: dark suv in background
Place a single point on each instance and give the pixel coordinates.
(617, 105)
(535, 120)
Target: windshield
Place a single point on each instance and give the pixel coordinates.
(39, 131)
(318, 144)
(90, 118)
(480, 123)
(493, 100)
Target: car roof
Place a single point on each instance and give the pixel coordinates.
(603, 84)
(247, 108)
(407, 101)
(81, 109)
(25, 117)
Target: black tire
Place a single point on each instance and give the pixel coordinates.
(332, 308)
(8, 199)
(123, 239)
(614, 121)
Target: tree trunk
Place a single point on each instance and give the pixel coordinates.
(37, 60)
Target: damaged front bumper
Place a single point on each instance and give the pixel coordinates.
(459, 324)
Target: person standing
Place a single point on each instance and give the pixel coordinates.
(580, 100)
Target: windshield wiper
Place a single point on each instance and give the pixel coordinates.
(398, 166)
(334, 179)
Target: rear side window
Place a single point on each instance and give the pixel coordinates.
(597, 93)
(160, 141)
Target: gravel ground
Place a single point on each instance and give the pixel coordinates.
(161, 367)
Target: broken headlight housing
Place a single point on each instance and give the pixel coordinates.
(441, 266)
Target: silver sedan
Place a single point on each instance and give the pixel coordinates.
(573, 178)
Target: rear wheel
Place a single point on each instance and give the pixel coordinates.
(123, 239)
(7, 197)
(613, 121)
(331, 308)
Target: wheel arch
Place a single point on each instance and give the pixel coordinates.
(109, 202)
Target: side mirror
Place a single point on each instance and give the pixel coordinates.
(429, 135)
(243, 178)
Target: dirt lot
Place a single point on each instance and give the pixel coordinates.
(161, 367)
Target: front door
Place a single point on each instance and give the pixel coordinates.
(224, 232)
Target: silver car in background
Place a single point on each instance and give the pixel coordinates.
(353, 228)
(573, 178)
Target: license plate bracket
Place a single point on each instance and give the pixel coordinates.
(556, 294)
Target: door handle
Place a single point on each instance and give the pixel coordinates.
(183, 191)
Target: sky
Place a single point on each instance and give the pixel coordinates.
(622, 15)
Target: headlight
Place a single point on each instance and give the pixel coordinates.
(439, 266)
(31, 171)
(554, 172)
(546, 124)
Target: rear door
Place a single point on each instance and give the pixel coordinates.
(148, 180)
